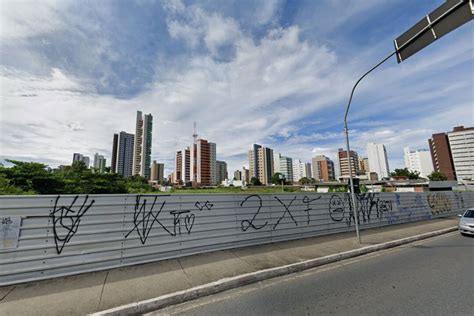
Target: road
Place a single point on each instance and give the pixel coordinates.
(431, 277)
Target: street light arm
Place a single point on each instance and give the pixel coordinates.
(359, 80)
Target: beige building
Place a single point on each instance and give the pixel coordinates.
(142, 146)
(323, 168)
(157, 172)
(343, 162)
(261, 163)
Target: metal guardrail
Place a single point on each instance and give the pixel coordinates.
(53, 236)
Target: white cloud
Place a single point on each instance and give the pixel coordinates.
(22, 18)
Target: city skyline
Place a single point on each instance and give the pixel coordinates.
(289, 75)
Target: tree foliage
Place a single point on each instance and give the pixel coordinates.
(255, 181)
(413, 175)
(437, 176)
(37, 178)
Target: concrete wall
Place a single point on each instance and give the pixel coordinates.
(51, 236)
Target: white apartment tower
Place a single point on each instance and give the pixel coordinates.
(461, 142)
(142, 149)
(418, 160)
(378, 161)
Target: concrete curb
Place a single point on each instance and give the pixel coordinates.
(253, 277)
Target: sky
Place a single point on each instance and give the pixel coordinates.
(275, 72)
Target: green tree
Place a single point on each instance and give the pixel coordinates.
(405, 173)
(304, 181)
(32, 177)
(255, 181)
(138, 184)
(437, 176)
(277, 178)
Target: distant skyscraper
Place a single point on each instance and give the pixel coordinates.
(245, 175)
(378, 162)
(157, 172)
(323, 168)
(80, 157)
(99, 162)
(221, 171)
(441, 155)
(461, 142)
(418, 160)
(113, 166)
(124, 154)
(283, 165)
(363, 164)
(213, 164)
(238, 175)
(183, 166)
(343, 163)
(203, 163)
(261, 163)
(142, 150)
(301, 170)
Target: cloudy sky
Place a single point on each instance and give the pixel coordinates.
(277, 73)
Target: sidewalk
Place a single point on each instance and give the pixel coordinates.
(81, 294)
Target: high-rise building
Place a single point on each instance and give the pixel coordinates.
(261, 163)
(203, 163)
(299, 170)
(99, 162)
(441, 155)
(183, 166)
(237, 175)
(142, 150)
(213, 164)
(418, 160)
(124, 154)
(363, 164)
(323, 168)
(461, 142)
(343, 163)
(113, 165)
(245, 175)
(283, 165)
(80, 157)
(378, 161)
(157, 172)
(308, 170)
(221, 171)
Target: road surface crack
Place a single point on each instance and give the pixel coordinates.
(102, 291)
(4, 296)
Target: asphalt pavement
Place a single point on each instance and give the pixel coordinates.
(431, 277)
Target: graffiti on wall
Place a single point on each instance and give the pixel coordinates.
(66, 220)
(439, 203)
(159, 215)
(369, 207)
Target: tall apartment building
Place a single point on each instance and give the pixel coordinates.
(203, 163)
(418, 160)
(157, 172)
(80, 157)
(237, 175)
(283, 165)
(261, 163)
(183, 166)
(300, 170)
(323, 168)
(142, 150)
(461, 142)
(441, 155)
(245, 175)
(343, 162)
(363, 164)
(378, 161)
(113, 164)
(99, 162)
(308, 170)
(122, 150)
(221, 171)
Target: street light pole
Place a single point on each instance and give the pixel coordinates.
(346, 132)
